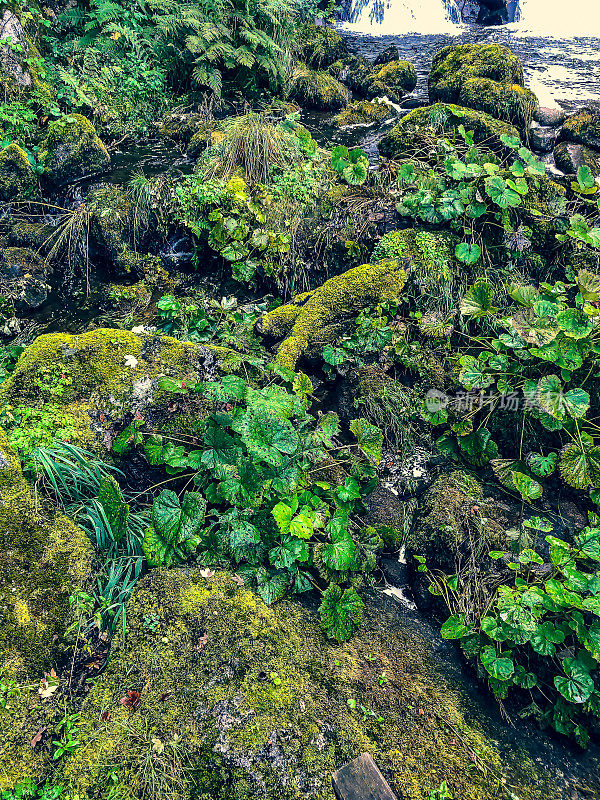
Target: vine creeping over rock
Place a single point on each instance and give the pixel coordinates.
(314, 317)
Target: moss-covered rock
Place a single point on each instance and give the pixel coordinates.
(392, 80)
(314, 317)
(181, 127)
(363, 112)
(72, 150)
(486, 77)
(114, 231)
(569, 156)
(239, 700)
(23, 278)
(36, 235)
(582, 128)
(318, 90)
(99, 377)
(447, 521)
(437, 281)
(43, 559)
(320, 46)
(541, 207)
(416, 133)
(17, 178)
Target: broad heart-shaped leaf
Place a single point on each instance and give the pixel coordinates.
(514, 142)
(340, 554)
(579, 464)
(166, 516)
(478, 447)
(271, 587)
(585, 178)
(578, 684)
(533, 329)
(468, 253)
(500, 194)
(115, 508)
(339, 155)
(588, 541)
(341, 612)
(574, 323)
(455, 628)
(289, 550)
(499, 667)
(368, 437)
(221, 447)
(478, 301)
(355, 174)
(550, 396)
(283, 516)
(525, 295)
(473, 377)
(193, 509)
(540, 465)
(589, 284)
(529, 488)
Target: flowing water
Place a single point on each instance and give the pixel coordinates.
(558, 41)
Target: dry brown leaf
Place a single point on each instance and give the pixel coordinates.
(38, 737)
(236, 579)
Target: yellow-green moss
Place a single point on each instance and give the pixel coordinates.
(259, 701)
(339, 297)
(393, 80)
(17, 178)
(319, 90)
(181, 127)
(415, 133)
(43, 559)
(72, 149)
(547, 197)
(32, 234)
(484, 77)
(363, 112)
(320, 46)
(583, 128)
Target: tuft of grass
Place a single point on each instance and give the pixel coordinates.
(72, 474)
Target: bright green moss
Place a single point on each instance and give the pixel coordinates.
(583, 128)
(319, 90)
(415, 134)
(71, 150)
(363, 112)
(339, 297)
(393, 80)
(486, 78)
(258, 698)
(321, 46)
(17, 178)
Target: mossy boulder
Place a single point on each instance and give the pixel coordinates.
(569, 156)
(547, 197)
(72, 150)
(437, 280)
(313, 318)
(363, 112)
(181, 127)
(416, 133)
(23, 278)
(43, 559)
(392, 80)
(239, 700)
(447, 521)
(320, 46)
(486, 77)
(17, 178)
(319, 90)
(114, 232)
(36, 235)
(582, 128)
(102, 377)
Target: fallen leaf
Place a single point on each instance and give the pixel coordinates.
(158, 746)
(130, 361)
(236, 579)
(207, 573)
(105, 716)
(38, 737)
(202, 641)
(132, 700)
(48, 685)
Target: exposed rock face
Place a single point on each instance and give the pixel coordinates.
(550, 117)
(543, 138)
(11, 60)
(389, 54)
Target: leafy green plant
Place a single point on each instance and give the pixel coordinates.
(67, 729)
(351, 165)
(29, 790)
(539, 635)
